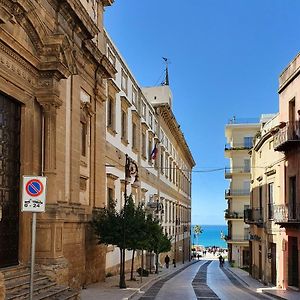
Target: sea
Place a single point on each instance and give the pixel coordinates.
(211, 236)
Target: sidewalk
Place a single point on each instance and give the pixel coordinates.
(110, 288)
(255, 285)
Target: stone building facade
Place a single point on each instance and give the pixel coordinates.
(53, 72)
(137, 119)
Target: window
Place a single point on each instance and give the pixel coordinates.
(124, 81)
(150, 148)
(156, 127)
(161, 161)
(110, 113)
(247, 165)
(260, 197)
(270, 200)
(144, 144)
(292, 197)
(170, 170)
(111, 57)
(134, 136)
(151, 120)
(110, 195)
(248, 141)
(134, 96)
(83, 141)
(144, 109)
(123, 125)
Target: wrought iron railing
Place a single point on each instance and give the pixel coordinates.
(243, 169)
(254, 215)
(243, 192)
(238, 146)
(234, 215)
(291, 132)
(237, 238)
(285, 213)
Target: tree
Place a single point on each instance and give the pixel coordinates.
(135, 227)
(108, 226)
(197, 231)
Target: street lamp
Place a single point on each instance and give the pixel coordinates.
(131, 170)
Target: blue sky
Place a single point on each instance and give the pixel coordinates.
(226, 56)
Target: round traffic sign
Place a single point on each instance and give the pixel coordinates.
(34, 187)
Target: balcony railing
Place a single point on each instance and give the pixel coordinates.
(235, 120)
(287, 214)
(287, 137)
(229, 193)
(254, 216)
(237, 238)
(238, 146)
(234, 215)
(236, 170)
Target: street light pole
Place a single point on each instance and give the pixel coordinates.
(131, 169)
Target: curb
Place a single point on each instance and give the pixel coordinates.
(238, 277)
(274, 296)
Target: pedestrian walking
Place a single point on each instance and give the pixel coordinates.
(167, 261)
(174, 262)
(221, 261)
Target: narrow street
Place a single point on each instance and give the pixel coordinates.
(202, 280)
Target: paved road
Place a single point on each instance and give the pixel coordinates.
(200, 281)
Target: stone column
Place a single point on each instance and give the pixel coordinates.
(48, 97)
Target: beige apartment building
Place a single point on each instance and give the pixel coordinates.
(239, 135)
(53, 72)
(286, 142)
(137, 119)
(266, 237)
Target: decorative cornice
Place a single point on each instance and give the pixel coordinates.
(167, 115)
(78, 11)
(112, 176)
(125, 102)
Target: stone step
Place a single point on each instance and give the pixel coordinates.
(23, 282)
(22, 274)
(14, 270)
(23, 293)
(57, 293)
(17, 281)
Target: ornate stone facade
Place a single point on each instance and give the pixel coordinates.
(52, 59)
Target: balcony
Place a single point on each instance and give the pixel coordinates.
(285, 215)
(234, 215)
(233, 238)
(254, 216)
(238, 146)
(236, 193)
(236, 170)
(287, 137)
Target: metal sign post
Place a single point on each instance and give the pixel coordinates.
(33, 235)
(33, 200)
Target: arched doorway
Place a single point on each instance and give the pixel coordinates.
(9, 180)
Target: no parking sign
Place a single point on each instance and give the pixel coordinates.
(34, 193)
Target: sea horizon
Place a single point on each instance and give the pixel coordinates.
(211, 236)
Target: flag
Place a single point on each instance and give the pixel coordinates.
(154, 152)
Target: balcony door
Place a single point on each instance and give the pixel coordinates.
(292, 111)
(292, 198)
